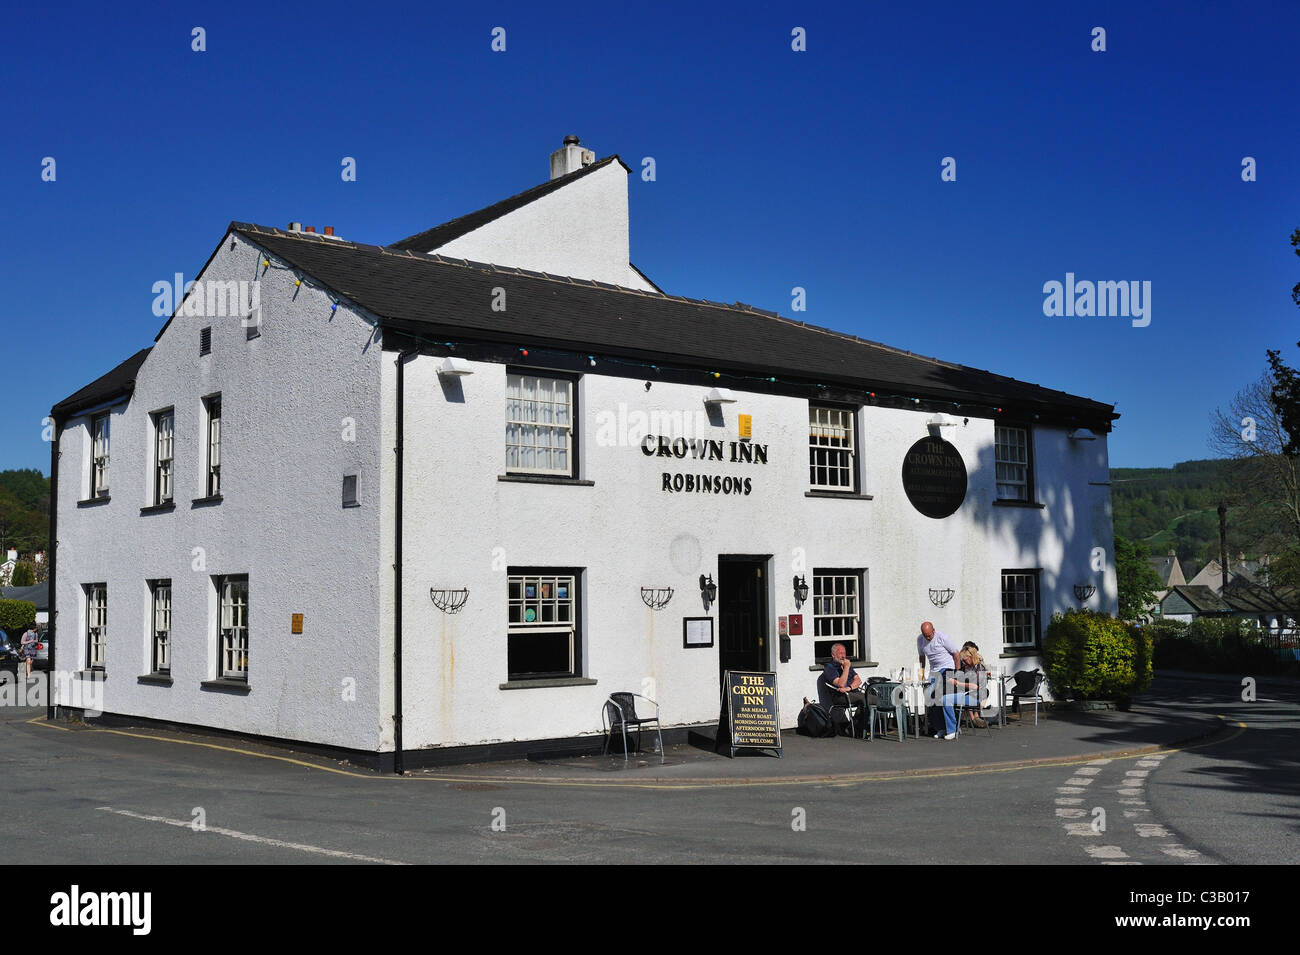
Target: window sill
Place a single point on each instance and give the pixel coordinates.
(91, 673)
(225, 685)
(1011, 653)
(856, 664)
(93, 501)
(555, 681)
(206, 501)
(543, 479)
(843, 495)
(159, 508)
(1002, 502)
(155, 679)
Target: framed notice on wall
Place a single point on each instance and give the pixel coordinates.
(697, 632)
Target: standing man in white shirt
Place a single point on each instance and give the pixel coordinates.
(938, 652)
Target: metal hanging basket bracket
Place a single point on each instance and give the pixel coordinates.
(448, 601)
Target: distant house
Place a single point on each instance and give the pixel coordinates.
(1211, 575)
(1170, 573)
(11, 561)
(1186, 602)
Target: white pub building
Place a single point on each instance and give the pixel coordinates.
(435, 501)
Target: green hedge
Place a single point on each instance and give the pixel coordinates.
(1216, 646)
(16, 615)
(1091, 655)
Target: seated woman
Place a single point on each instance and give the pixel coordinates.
(970, 664)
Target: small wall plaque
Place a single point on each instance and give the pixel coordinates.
(297, 623)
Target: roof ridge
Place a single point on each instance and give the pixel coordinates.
(508, 204)
(1047, 394)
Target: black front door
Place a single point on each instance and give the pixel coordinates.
(742, 613)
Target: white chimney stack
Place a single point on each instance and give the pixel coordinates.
(570, 158)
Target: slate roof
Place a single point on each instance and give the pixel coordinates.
(1200, 598)
(1164, 567)
(440, 235)
(441, 298)
(38, 594)
(119, 381)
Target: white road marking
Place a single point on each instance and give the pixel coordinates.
(1068, 801)
(1133, 802)
(1146, 830)
(1100, 762)
(1089, 770)
(248, 837)
(1138, 773)
(1106, 852)
(1071, 813)
(1149, 763)
(1078, 781)
(1129, 792)
(1080, 829)
(1070, 790)
(1134, 813)
(1179, 852)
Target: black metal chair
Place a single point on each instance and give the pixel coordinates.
(1028, 686)
(619, 713)
(833, 698)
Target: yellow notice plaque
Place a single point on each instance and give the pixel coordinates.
(746, 426)
(297, 623)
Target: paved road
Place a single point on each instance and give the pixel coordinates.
(99, 796)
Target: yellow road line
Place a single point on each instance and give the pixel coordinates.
(851, 779)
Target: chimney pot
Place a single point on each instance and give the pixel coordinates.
(329, 230)
(310, 228)
(571, 140)
(295, 226)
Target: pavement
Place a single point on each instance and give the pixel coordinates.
(1060, 736)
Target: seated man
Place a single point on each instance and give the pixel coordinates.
(839, 684)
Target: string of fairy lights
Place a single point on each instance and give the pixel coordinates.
(301, 279)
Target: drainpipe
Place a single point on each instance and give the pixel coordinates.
(52, 566)
(397, 566)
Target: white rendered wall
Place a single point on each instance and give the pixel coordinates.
(579, 230)
(285, 397)
(464, 527)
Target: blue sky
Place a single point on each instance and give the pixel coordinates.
(775, 169)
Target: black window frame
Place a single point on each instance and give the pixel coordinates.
(1036, 573)
(212, 410)
(860, 575)
(1030, 483)
(155, 418)
(579, 659)
(575, 417)
(153, 624)
(856, 411)
(98, 490)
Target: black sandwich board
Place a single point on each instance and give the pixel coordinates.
(750, 718)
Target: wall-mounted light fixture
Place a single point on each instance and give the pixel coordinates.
(719, 396)
(455, 367)
(1082, 434)
(800, 589)
(708, 590)
(939, 421)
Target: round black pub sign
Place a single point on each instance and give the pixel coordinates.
(934, 477)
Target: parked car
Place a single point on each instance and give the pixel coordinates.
(10, 658)
(43, 647)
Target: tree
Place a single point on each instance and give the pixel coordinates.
(16, 615)
(24, 575)
(1136, 580)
